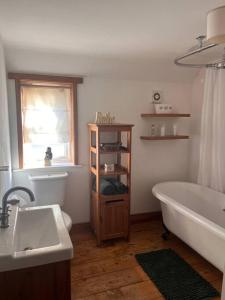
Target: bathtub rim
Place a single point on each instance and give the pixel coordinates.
(212, 226)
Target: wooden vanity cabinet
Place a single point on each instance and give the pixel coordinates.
(46, 282)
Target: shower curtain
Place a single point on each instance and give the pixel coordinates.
(5, 159)
(212, 141)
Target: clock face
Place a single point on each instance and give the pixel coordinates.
(156, 96)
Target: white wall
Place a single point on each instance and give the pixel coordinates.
(196, 109)
(152, 162)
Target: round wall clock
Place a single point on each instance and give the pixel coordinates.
(156, 96)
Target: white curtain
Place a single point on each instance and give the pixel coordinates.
(5, 159)
(212, 142)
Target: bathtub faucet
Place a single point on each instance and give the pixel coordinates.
(4, 215)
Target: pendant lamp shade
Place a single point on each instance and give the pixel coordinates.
(216, 25)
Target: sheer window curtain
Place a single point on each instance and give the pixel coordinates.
(46, 114)
(5, 158)
(212, 143)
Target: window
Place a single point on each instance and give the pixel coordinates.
(46, 117)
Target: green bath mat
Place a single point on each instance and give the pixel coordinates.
(175, 278)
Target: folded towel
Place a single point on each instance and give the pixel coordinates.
(111, 186)
(106, 188)
(119, 186)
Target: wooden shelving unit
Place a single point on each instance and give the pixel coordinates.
(166, 137)
(109, 213)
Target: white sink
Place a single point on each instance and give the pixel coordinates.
(36, 236)
(35, 229)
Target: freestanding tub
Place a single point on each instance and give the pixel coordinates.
(196, 215)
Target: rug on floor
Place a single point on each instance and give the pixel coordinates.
(174, 277)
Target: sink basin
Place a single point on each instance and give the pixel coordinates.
(35, 229)
(35, 236)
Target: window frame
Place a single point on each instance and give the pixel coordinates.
(20, 80)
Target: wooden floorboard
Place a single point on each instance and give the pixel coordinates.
(111, 272)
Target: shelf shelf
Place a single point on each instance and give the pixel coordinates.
(118, 127)
(164, 115)
(119, 170)
(93, 149)
(111, 197)
(168, 137)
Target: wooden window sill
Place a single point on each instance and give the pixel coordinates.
(49, 168)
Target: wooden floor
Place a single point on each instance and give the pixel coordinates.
(111, 272)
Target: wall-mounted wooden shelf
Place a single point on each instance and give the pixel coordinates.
(166, 137)
(165, 115)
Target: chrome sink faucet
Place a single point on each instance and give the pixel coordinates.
(4, 214)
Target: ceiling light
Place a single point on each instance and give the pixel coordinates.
(216, 25)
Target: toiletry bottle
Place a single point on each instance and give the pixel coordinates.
(153, 130)
(174, 129)
(163, 130)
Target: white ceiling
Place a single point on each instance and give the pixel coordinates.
(134, 30)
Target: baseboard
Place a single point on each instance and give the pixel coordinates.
(144, 217)
(135, 218)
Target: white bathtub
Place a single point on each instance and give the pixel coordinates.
(195, 214)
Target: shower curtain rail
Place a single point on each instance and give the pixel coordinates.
(203, 46)
(198, 50)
